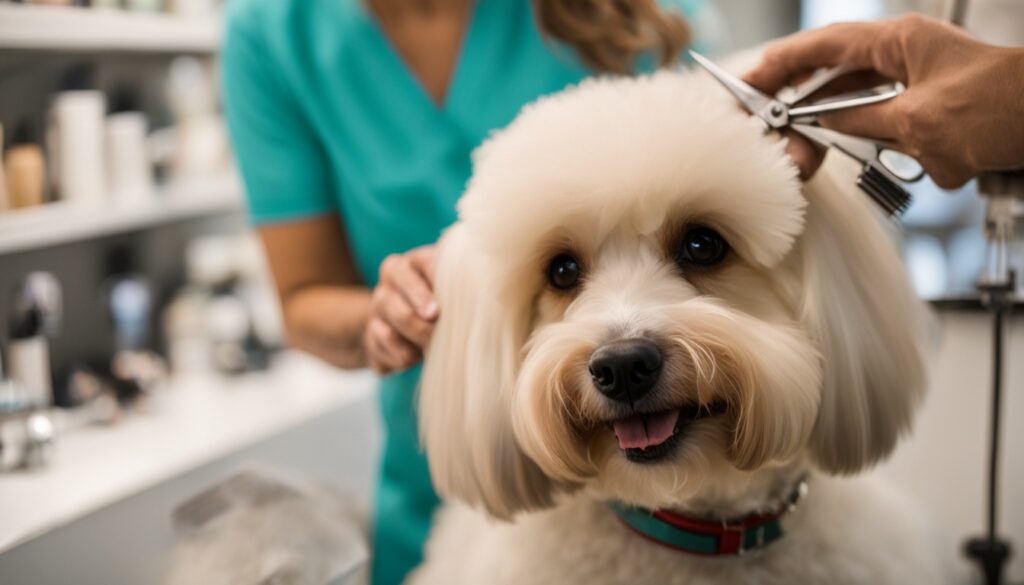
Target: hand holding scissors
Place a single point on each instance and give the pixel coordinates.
(961, 115)
(883, 166)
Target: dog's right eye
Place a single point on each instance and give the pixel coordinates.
(702, 246)
(564, 272)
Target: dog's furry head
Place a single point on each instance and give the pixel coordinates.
(651, 215)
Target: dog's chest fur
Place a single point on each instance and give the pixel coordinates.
(848, 532)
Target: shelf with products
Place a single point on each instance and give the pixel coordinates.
(63, 222)
(201, 419)
(58, 28)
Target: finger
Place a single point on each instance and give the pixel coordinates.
(424, 259)
(377, 354)
(804, 153)
(394, 350)
(882, 121)
(860, 45)
(374, 361)
(388, 362)
(377, 367)
(412, 284)
(387, 347)
(947, 175)
(854, 81)
(390, 306)
(400, 315)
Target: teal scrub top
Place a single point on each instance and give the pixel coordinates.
(326, 118)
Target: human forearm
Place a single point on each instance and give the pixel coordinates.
(326, 307)
(328, 321)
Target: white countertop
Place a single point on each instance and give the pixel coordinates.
(201, 418)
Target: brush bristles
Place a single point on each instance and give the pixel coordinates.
(889, 195)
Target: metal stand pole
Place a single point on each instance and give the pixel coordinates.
(991, 552)
(1004, 195)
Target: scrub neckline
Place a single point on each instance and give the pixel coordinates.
(393, 57)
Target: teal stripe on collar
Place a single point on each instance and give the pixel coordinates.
(643, 522)
(710, 539)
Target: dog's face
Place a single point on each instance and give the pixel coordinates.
(639, 298)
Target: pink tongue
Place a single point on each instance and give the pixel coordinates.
(633, 435)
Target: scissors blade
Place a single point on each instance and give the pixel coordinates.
(772, 111)
(859, 148)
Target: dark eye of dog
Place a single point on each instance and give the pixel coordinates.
(564, 272)
(702, 246)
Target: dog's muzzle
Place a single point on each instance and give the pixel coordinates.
(626, 369)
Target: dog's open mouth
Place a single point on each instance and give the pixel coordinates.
(650, 437)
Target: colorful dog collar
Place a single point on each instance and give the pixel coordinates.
(706, 537)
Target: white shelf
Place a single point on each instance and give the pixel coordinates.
(200, 418)
(63, 222)
(54, 28)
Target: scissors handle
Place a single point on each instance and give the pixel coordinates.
(886, 155)
(850, 100)
(883, 167)
(795, 94)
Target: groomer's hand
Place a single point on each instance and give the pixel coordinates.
(403, 311)
(962, 113)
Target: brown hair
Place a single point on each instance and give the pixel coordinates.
(608, 35)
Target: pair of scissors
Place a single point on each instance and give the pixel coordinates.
(883, 166)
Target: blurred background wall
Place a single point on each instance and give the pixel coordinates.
(185, 244)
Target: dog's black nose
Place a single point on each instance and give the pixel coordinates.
(626, 369)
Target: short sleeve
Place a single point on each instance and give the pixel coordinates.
(282, 162)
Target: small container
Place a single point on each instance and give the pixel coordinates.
(25, 168)
(28, 357)
(4, 202)
(77, 127)
(12, 398)
(34, 317)
(200, 147)
(129, 168)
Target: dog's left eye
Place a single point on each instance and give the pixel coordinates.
(702, 246)
(564, 272)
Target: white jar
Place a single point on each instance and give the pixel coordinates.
(77, 120)
(129, 169)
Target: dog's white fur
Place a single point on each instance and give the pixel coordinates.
(810, 333)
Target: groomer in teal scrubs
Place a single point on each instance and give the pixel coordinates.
(353, 124)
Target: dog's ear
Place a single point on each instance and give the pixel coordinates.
(466, 388)
(868, 322)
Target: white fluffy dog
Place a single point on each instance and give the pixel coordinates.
(653, 339)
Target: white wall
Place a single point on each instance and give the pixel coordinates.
(944, 462)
